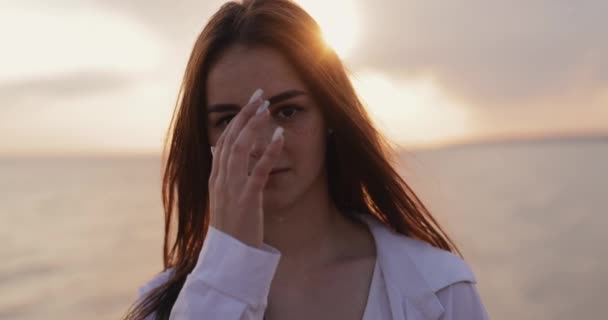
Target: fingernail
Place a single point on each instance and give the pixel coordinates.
(263, 106)
(256, 95)
(212, 150)
(278, 132)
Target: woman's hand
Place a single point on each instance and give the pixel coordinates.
(236, 197)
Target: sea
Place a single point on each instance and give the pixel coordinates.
(79, 235)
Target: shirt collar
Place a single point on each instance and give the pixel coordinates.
(410, 296)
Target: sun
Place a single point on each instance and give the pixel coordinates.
(338, 20)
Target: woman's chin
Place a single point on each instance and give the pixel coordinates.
(274, 199)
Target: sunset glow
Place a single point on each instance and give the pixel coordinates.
(103, 76)
(414, 112)
(338, 20)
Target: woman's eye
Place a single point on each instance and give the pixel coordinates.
(288, 112)
(220, 123)
(283, 113)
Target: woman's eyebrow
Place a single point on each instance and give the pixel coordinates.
(225, 107)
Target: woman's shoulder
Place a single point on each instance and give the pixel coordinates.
(437, 267)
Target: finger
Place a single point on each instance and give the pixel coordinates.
(254, 155)
(219, 150)
(216, 159)
(238, 160)
(254, 100)
(228, 143)
(238, 122)
(259, 175)
(242, 119)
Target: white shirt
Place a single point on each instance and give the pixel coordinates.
(411, 280)
(377, 301)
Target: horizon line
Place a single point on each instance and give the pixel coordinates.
(410, 147)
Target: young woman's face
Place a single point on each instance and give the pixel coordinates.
(233, 79)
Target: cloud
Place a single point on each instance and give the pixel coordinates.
(64, 86)
(78, 77)
(178, 22)
(107, 118)
(491, 52)
(38, 41)
(104, 74)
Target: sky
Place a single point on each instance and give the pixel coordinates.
(101, 76)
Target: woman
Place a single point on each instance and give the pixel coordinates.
(313, 223)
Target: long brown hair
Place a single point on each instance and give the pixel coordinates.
(369, 185)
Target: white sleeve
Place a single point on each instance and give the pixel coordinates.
(230, 281)
(461, 301)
